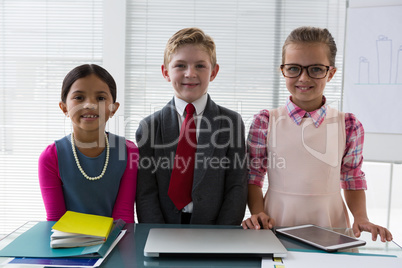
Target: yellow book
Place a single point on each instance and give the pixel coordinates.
(76, 229)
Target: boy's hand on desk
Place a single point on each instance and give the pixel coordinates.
(256, 220)
(365, 225)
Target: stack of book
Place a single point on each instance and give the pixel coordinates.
(75, 229)
(76, 240)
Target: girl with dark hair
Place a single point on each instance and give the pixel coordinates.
(89, 171)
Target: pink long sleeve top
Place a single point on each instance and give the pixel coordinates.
(51, 185)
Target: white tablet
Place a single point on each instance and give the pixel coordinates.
(322, 238)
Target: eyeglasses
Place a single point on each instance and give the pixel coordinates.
(317, 71)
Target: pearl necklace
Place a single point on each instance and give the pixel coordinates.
(78, 162)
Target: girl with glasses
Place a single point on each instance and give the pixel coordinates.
(309, 150)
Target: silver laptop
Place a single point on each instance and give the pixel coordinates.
(162, 242)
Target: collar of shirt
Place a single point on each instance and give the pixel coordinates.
(199, 105)
(297, 113)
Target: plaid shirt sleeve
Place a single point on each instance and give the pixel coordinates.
(352, 177)
(257, 148)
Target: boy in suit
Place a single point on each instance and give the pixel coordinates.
(204, 181)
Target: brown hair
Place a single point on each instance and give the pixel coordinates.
(311, 35)
(84, 71)
(186, 36)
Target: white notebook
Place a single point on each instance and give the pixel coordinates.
(163, 242)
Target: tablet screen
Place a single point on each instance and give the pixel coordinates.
(320, 236)
(323, 238)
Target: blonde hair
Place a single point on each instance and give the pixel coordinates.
(311, 35)
(190, 36)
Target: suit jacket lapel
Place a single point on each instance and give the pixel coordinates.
(170, 130)
(205, 148)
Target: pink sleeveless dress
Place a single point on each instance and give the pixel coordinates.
(304, 172)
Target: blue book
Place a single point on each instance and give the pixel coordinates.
(65, 262)
(35, 243)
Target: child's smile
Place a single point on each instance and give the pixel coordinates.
(190, 85)
(304, 88)
(90, 117)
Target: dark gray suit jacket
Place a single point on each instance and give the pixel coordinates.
(220, 184)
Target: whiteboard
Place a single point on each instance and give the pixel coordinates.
(372, 88)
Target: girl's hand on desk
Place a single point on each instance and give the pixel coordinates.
(256, 220)
(365, 225)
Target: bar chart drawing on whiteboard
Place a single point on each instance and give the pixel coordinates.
(372, 75)
(383, 63)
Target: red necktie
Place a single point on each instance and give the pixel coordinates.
(181, 180)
